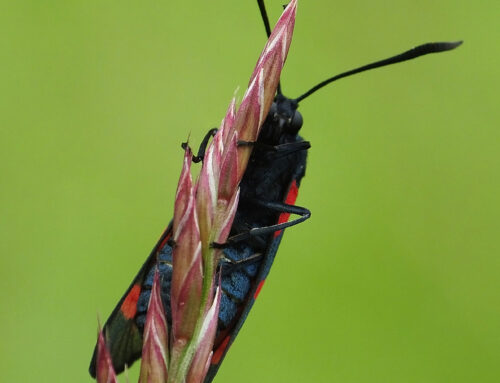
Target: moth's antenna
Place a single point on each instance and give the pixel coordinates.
(408, 55)
(265, 19)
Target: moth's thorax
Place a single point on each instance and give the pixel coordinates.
(282, 120)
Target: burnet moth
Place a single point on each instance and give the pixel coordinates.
(268, 191)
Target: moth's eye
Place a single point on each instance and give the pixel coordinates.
(296, 123)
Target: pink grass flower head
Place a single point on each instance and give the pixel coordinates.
(216, 194)
(203, 214)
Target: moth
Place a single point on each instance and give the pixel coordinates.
(268, 192)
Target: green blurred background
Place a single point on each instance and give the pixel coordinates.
(395, 278)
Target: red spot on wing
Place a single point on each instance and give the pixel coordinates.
(291, 197)
(165, 240)
(220, 350)
(129, 305)
(259, 287)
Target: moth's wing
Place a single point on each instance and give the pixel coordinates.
(221, 348)
(123, 337)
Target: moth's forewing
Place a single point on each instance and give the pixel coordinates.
(123, 337)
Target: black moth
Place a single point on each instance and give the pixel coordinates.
(267, 195)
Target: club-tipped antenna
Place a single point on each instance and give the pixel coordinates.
(265, 19)
(408, 55)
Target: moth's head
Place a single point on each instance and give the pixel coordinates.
(284, 116)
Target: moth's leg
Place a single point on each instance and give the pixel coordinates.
(240, 262)
(226, 262)
(264, 230)
(224, 259)
(203, 146)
